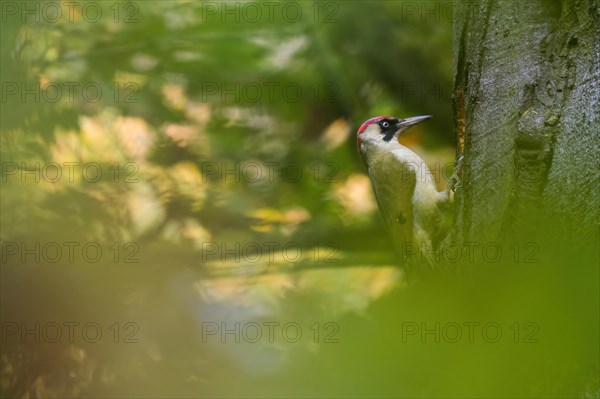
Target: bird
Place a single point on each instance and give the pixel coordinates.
(413, 210)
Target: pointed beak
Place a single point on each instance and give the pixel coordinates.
(404, 124)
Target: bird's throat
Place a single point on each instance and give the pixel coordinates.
(373, 150)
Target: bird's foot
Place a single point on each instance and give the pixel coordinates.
(454, 182)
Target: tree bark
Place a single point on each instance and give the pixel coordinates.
(527, 115)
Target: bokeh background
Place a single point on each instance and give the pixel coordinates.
(224, 134)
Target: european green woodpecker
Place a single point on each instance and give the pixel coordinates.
(412, 208)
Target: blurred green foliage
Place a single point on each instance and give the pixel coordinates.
(185, 98)
(205, 85)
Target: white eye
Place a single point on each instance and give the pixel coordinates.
(385, 124)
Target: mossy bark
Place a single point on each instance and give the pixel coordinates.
(527, 115)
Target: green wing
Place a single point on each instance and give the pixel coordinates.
(394, 184)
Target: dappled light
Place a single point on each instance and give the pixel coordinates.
(185, 213)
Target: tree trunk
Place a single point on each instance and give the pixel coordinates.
(527, 115)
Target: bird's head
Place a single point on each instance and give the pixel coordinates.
(385, 128)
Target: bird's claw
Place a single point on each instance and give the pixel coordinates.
(454, 182)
